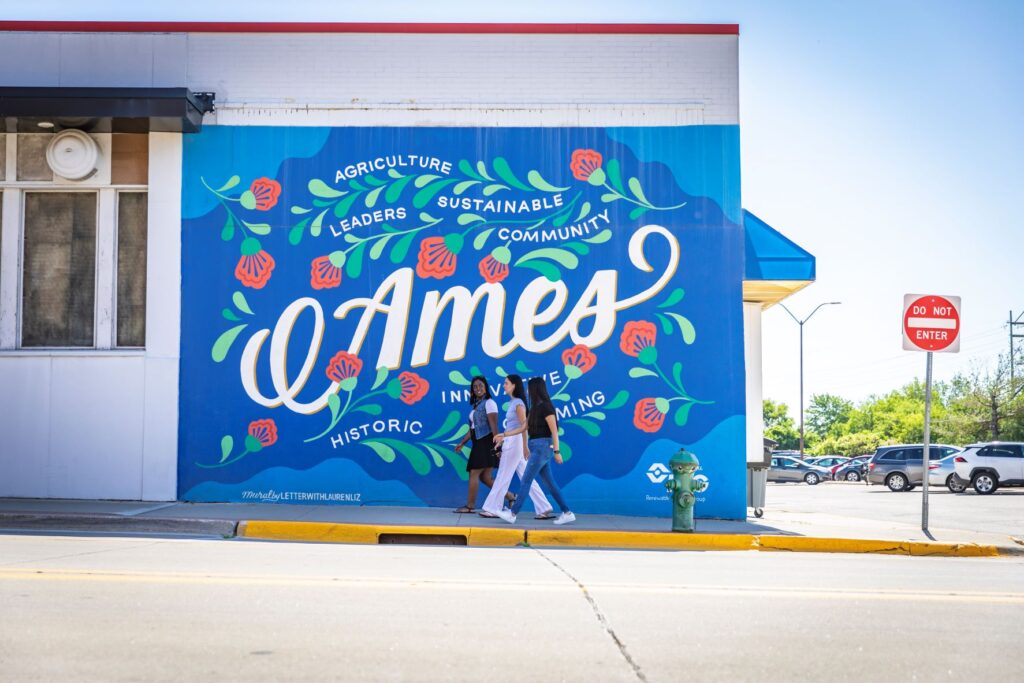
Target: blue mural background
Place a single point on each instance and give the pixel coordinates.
(255, 191)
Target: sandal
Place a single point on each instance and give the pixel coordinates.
(463, 510)
(546, 515)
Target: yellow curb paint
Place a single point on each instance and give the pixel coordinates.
(650, 540)
(326, 532)
(856, 545)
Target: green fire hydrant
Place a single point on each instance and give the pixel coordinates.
(682, 485)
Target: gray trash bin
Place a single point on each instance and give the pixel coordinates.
(757, 484)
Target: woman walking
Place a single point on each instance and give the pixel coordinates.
(542, 425)
(483, 425)
(513, 442)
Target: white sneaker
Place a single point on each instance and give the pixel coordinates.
(565, 518)
(507, 516)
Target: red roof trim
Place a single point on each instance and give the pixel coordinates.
(340, 27)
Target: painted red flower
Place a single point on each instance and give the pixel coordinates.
(264, 431)
(584, 163)
(413, 387)
(253, 270)
(580, 357)
(325, 271)
(493, 270)
(436, 258)
(647, 416)
(342, 366)
(266, 192)
(637, 335)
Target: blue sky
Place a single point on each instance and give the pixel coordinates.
(884, 137)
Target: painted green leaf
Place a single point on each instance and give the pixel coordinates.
(230, 315)
(394, 191)
(566, 450)
(481, 239)
(584, 212)
(299, 210)
(224, 342)
(318, 222)
(491, 189)
(461, 432)
(393, 173)
(682, 414)
(232, 181)
(424, 180)
(501, 167)
(227, 444)
(474, 371)
(354, 263)
(596, 415)
(685, 326)
(666, 324)
(561, 398)
(535, 179)
(319, 188)
(334, 404)
(388, 228)
(467, 218)
(427, 218)
(467, 169)
(615, 175)
(500, 371)
(258, 228)
(578, 247)
(637, 373)
(637, 212)
(416, 457)
(561, 219)
(675, 297)
(378, 247)
(374, 181)
(352, 239)
(566, 258)
(229, 229)
(401, 248)
(522, 367)
(638, 192)
(600, 238)
(382, 375)
(457, 461)
(465, 185)
(371, 197)
(369, 408)
(356, 185)
(458, 378)
(587, 426)
(423, 197)
(447, 426)
(609, 197)
(618, 401)
(386, 453)
(320, 203)
(544, 268)
(481, 168)
(341, 208)
(238, 299)
(297, 231)
(438, 459)
(677, 374)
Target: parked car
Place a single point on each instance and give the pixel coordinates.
(786, 468)
(943, 473)
(851, 470)
(987, 466)
(829, 461)
(900, 467)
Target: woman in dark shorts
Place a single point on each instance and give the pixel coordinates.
(483, 425)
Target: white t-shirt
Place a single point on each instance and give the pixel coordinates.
(490, 408)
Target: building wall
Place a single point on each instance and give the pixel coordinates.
(103, 424)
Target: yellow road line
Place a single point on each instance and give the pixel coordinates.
(788, 592)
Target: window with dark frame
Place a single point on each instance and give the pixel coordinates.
(131, 269)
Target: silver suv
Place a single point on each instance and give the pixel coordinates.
(899, 467)
(987, 466)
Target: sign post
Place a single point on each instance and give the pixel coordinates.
(931, 323)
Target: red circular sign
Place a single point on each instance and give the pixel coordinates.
(931, 323)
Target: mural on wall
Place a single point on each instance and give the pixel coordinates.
(341, 286)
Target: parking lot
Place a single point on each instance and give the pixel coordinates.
(999, 513)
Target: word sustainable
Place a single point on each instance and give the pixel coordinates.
(393, 299)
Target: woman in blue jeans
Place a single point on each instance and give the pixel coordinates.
(543, 446)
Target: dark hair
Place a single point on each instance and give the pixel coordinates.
(538, 396)
(518, 391)
(487, 390)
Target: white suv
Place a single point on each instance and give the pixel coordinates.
(987, 466)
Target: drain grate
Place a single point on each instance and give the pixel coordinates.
(421, 539)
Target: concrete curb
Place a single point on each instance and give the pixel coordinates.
(222, 528)
(581, 538)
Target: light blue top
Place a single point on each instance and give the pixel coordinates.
(511, 416)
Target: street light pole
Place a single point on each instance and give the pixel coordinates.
(801, 324)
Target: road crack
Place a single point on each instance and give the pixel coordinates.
(601, 618)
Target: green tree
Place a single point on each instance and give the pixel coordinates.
(778, 425)
(985, 405)
(825, 412)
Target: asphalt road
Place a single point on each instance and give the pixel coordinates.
(999, 513)
(105, 609)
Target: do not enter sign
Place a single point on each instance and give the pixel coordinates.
(931, 323)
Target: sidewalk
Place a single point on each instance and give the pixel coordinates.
(779, 530)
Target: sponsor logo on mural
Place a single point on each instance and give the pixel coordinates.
(346, 300)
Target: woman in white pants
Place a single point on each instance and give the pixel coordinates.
(513, 450)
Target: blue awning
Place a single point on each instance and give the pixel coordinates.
(771, 256)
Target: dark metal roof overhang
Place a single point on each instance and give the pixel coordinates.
(105, 110)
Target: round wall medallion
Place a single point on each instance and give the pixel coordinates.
(73, 155)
